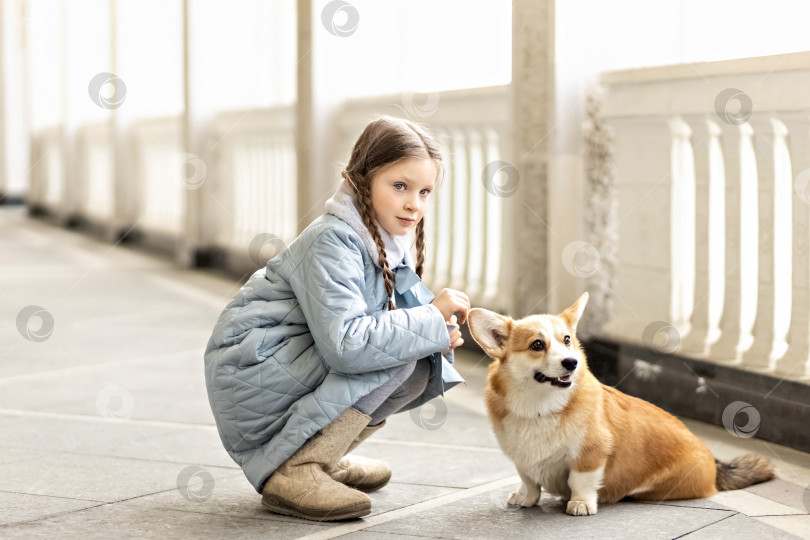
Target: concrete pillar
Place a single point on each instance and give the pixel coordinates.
(533, 136)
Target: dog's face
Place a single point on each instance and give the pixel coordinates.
(542, 348)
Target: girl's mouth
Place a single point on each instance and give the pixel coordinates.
(405, 221)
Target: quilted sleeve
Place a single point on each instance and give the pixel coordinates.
(328, 282)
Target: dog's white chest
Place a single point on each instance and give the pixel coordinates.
(541, 449)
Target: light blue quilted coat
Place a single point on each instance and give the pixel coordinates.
(308, 336)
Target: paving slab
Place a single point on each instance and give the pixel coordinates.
(739, 526)
(21, 507)
(485, 517)
(93, 478)
(128, 520)
(784, 492)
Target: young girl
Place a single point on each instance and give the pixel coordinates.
(336, 334)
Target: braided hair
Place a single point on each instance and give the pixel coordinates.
(385, 141)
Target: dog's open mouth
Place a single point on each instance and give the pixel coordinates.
(562, 382)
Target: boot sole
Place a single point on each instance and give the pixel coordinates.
(280, 506)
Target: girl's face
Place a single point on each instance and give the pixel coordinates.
(400, 193)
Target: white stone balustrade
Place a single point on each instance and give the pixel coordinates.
(95, 189)
(47, 170)
(713, 171)
(158, 172)
(254, 173)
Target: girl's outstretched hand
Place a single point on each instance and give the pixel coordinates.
(450, 301)
(455, 334)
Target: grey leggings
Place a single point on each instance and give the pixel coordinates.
(404, 386)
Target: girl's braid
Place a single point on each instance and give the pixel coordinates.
(367, 213)
(420, 247)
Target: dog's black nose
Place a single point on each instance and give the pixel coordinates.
(570, 364)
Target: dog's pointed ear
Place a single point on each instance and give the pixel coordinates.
(489, 330)
(572, 315)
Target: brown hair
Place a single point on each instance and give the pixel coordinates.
(384, 142)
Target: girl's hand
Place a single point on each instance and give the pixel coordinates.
(455, 334)
(450, 301)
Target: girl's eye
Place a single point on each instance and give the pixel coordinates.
(567, 340)
(537, 345)
(399, 185)
(425, 192)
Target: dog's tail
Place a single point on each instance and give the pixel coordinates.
(743, 471)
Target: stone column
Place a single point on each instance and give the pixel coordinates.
(527, 255)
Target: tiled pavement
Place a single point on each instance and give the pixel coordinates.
(105, 427)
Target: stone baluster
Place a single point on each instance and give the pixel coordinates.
(727, 347)
(766, 135)
(709, 234)
(475, 215)
(795, 360)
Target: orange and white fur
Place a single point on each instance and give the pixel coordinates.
(576, 438)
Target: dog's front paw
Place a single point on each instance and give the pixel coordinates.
(522, 499)
(580, 508)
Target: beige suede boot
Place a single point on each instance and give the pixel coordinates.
(302, 486)
(362, 473)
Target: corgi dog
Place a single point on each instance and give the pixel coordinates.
(576, 438)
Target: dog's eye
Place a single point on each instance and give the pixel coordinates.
(567, 340)
(537, 345)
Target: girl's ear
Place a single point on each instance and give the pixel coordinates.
(490, 331)
(572, 315)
